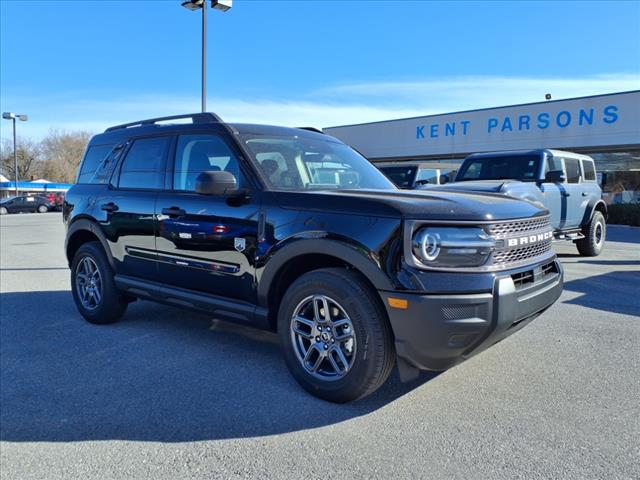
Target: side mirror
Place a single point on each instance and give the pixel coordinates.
(216, 183)
(444, 179)
(555, 176)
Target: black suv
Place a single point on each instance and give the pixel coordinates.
(291, 230)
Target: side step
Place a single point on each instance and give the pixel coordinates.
(571, 236)
(220, 307)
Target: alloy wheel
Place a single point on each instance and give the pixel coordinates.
(323, 337)
(88, 283)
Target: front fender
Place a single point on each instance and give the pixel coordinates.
(351, 253)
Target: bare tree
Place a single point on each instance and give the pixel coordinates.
(61, 154)
(28, 153)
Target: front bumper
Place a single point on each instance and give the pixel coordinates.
(436, 332)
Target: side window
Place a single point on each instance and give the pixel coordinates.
(552, 163)
(572, 166)
(92, 159)
(107, 166)
(589, 170)
(199, 153)
(143, 167)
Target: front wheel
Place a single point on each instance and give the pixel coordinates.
(594, 233)
(93, 288)
(43, 209)
(3, 211)
(335, 334)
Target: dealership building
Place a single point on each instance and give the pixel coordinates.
(606, 127)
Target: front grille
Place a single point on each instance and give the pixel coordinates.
(516, 255)
(521, 279)
(514, 243)
(506, 229)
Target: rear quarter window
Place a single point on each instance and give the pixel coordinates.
(589, 170)
(92, 159)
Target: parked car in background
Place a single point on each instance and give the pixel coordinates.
(410, 175)
(26, 204)
(563, 182)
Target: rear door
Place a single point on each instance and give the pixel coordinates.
(127, 206)
(204, 242)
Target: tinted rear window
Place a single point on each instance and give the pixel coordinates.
(92, 159)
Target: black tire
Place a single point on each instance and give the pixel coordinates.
(374, 354)
(595, 233)
(42, 209)
(112, 303)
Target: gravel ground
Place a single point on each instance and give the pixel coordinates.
(169, 394)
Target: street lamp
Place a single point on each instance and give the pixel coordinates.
(23, 118)
(193, 5)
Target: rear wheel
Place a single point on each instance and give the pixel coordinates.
(42, 209)
(93, 288)
(335, 335)
(594, 236)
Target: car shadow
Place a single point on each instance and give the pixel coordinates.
(161, 374)
(607, 292)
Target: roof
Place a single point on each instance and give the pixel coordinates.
(425, 165)
(511, 153)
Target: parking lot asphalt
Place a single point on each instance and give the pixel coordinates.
(172, 394)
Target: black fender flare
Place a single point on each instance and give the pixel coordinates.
(348, 253)
(591, 208)
(84, 224)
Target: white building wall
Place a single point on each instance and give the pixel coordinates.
(598, 121)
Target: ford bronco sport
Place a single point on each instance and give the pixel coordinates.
(291, 230)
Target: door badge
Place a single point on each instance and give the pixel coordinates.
(239, 244)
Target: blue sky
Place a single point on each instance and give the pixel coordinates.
(89, 64)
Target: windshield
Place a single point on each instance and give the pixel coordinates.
(523, 168)
(302, 163)
(401, 176)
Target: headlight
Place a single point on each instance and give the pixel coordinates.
(449, 247)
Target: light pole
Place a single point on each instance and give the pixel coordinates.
(23, 118)
(223, 6)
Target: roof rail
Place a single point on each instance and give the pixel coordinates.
(311, 129)
(204, 117)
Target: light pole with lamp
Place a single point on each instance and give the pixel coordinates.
(22, 118)
(223, 6)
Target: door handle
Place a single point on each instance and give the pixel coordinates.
(174, 212)
(110, 207)
(584, 194)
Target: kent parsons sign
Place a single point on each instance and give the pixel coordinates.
(522, 122)
(603, 120)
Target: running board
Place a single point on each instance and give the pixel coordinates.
(572, 236)
(220, 307)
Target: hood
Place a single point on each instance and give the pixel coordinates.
(493, 186)
(433, 204)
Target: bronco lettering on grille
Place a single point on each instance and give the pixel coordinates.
(529, 239)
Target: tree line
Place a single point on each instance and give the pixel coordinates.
(55, 158)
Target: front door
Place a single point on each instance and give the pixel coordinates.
(204, 242)
(554, 194)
